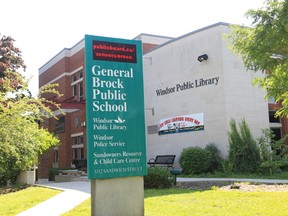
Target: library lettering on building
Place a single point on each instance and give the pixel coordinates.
(193, 86)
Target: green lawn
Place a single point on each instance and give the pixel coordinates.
(281, 175)
(182, 202)
(16, 202)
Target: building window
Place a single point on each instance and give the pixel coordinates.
(74, 140)
(78, 153)
(74, 77)
(56, 155)
(77, 85)
(277, 133)
(60, 125)
(74, 90)
(82, 153)
(77, 147)
(75, 155)
(272, 118)
(81, 91)
(80, 74)
(77, 76)
(77, 140)
(81, 139)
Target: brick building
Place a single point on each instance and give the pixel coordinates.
(67, 69)
(162, 56)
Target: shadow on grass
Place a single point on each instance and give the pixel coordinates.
(204, 185)
(281, 175)
(165, 192)
(13, 188)
(187, 187)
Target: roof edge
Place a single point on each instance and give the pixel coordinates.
(190, 33)
(61, 52)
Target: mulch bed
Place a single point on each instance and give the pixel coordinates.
(244, 186)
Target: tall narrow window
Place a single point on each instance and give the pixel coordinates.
(81, 91)
(81, 140)
(75, 155)
(80, 74)
(74, 77)
(74, 90)
(77, 85)
(82, 153)
(60, 125)
(56, 156)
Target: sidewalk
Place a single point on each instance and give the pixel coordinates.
(75, 193)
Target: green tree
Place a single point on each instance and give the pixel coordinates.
(21, 138)
(244, 155)
(10, 61)
(274, 154)
(264, 47)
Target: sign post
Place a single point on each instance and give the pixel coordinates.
(115, 125)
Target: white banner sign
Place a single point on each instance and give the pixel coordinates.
(184, 123)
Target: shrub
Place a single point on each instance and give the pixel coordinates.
(216, 160)
(283, 164)
(265, 142)
(157, 178)
(194, 160)
(269, 167)
(52, 173)
(226, 167)
(244, 155)
(274, 154)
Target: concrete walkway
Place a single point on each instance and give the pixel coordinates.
(75, 193)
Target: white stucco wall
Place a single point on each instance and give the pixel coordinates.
(233, 96)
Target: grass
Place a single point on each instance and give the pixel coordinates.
(84, 209)
(280, 175)
(183, 202)
(180, 202)
(217, 202)
(16, 202)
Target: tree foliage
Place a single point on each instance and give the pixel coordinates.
(274, 154)
(260, 44)
(21, 138)
(10, 61)
(244, 155)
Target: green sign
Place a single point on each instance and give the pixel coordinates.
(114, 108)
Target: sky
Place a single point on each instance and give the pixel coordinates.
(43, 28)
